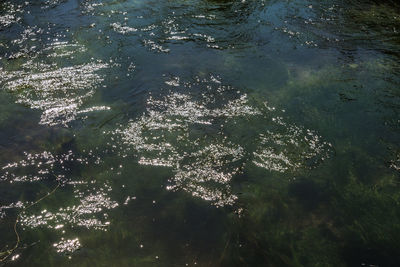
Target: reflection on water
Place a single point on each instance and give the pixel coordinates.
(89, 201)
(38, 166)
(57, 92)
(67, 245)
(42, 162)
(10, 14)
(92, 201)
(109, 101)
(204, 165)
(290, 148)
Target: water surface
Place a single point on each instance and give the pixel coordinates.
(199, 133)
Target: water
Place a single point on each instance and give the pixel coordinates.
(199, 133)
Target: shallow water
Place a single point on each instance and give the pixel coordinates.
(199, 133)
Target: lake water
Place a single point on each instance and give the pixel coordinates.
(199, 133)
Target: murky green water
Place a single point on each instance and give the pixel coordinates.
(199, 133)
